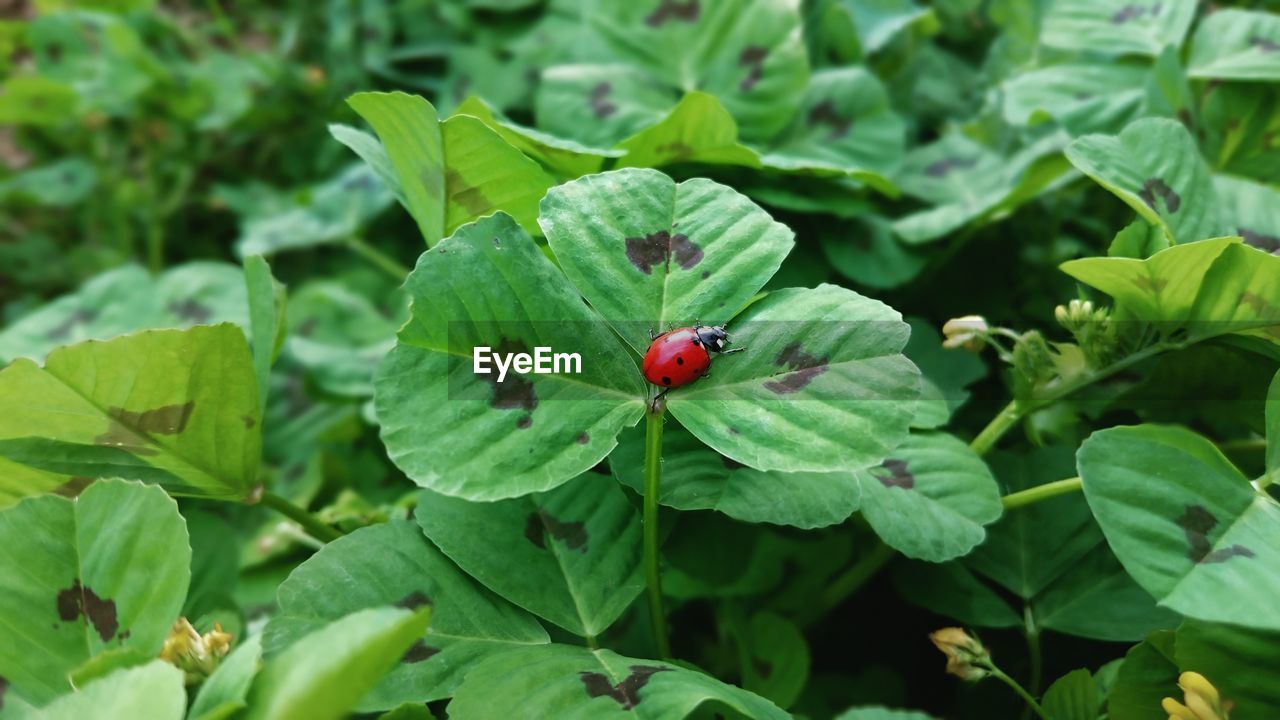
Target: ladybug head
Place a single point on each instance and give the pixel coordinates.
(713, 338)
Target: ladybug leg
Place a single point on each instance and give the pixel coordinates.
(653, 335)
(730, 352)
(653, 404)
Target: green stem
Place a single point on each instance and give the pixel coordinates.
(1243, 446)
(309, 522)
(1041, 492)
(1026, 696)
(1031, 630)
(652, 486)
(384, 262)
(1008, 416)
(1015, 411)
(155, 245)
(848, 582)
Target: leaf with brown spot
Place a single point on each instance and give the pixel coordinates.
(1186, 524)
(641, 263)
(565, 555)
(450, 435)
(1236, 44)
(818, 362)
(576, 682)
(173, 413)
(932, 500)
(394, 565)
(107, 572)
(756, 65)
(1155, 167)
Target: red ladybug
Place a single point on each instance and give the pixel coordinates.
(678, 357)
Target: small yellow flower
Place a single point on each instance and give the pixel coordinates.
(1200, 700)
(966, 657)
(197, 655)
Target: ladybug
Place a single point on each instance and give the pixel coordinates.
(681, 356)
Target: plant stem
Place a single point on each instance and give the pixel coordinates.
(1041, 492)
(384, 262)
(848, 582)
(1015, 411)
(652, 487)
(1243, 446)
(1026, 696)
(1008, 416)
(1031, 629)
(309, 522)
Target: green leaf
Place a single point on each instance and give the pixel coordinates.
(969, 183)
(698, 129)
(1082, 97)
(1147, 675)
(1273, 425)
(153, 691)
(1236, 45)
(1208, 289)
(62, 183)
(266, 321)
(695, 477)
(843, 124)
(1141, 27)
(467, 435)
(393, 564)
(600, 105)
(870, 712)
(36, 100)
(1073, 696)
(373, 154)
(774, 658)
(1153, 165)
(225, 692)
(127, 299)
(325, 674)
(575, 683)
(410, 131)
(564, 157)
(951, 589)
(879, 21)
(105, 572)
(1248, 210)
(484, 174)
(1187, 525)
(330, 211)
(823, 386)
(868, 253)
(931, 498)
(1053, 555)
(570, 555)
(749, 54)
(1161, 288)
(174, 407)
(664, 252)
(1241, 663)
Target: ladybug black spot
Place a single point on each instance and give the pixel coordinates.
(666, 381)
(679, 360)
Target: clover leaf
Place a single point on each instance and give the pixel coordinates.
(823, 386)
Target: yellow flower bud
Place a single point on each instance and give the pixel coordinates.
(1176, 710)
(966, 657)
(1201, 699)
